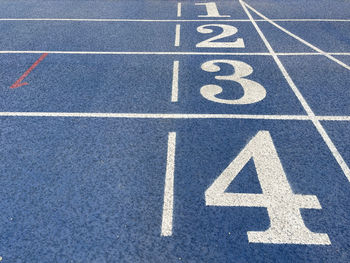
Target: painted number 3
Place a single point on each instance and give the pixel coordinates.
(253, 91)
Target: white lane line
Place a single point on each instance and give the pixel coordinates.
(313, 54)
(168, 201)
(300, 97)
(172, 116)
(153, 115)
(133, 53)
(167, 53)
(177, 35)
(178, 9)
(124, 20)
(307, 20)
(168, 116)
(300, 39)
(170, 20)
(175, 83)
(333, 118)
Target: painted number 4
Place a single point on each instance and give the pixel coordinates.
(283, 206)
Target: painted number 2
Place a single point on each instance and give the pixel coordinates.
(227, 30)
(283, 206)
(253, 91)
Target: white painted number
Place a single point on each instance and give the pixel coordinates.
(212, 10)
(253, 91)
(283, 206)
(227, 31)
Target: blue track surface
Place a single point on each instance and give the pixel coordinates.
(86, 142)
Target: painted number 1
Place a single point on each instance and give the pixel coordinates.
(212, 10)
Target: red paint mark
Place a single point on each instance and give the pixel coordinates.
(19, 82)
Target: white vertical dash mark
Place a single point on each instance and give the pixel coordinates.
(178, 9)
(168, 202)
(175, 85)
(177, 35)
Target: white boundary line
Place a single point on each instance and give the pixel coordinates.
(170, 20)
(300, 97)
(169, 53)
(168, 201)
(299, 39)
(172, 116)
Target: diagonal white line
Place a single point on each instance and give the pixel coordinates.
(299, 38)
(300, 97)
